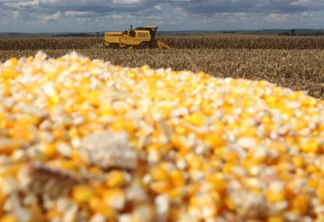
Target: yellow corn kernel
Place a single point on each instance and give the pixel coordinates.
(95, 170)
(176, 193)
(114, 198)
(9, 73)
(115, 179)
(316, 133)
(152, 93)
(8, 218)
(97, 187)
(227, 168)
(197, 118)
(266, 120)
(123, 124)
(275, 219)
(37, 213)
(271, 99)
(320, 191)
(176, 141)
(30, 58)
(194, 161)
(174, 213)
(312, 168)
(64, 164)
(165, 110)
(12, 61)
(310, 146)
(287, 112)
(300, 124)
(49, 150)
(279, 146)
(82, 193)
(312, 183)
(182, 130)
(98, 206)
(230, 156)
(53, 100)
(301, 203)
(298, 161)
(229, 203)
(275, 196)
(3, 120)
(179, 146)
(7, 88)
(205, 203)
(158, 174)
(10, 170)
(248, 131)
(60, 134)
(8, 146)
(177, 178)
(207, 109)
(160, 186)
(2, 200)
(106, 111)
(52, 213)
(131, 74)
(219, 184)
(215, 140)
(146, 67)
(22, 132)
(309, 102)
(321, 128)
(76, 157)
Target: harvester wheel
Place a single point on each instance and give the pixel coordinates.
(114, 45)
(145, 45)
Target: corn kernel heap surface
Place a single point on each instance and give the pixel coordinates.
(84, 140)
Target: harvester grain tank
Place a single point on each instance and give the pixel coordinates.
(140, 38)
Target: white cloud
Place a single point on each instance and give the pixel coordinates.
(20, 4)
(309, 3)
(54, 17)
(76, 13)
(276, 18)
(15, 15)
(170, 14)
(126, 1)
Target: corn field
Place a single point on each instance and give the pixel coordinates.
(293, 62)
(179, 42)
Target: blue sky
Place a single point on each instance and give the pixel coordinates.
(102, 15)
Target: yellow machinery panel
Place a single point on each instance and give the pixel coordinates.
(112, 38)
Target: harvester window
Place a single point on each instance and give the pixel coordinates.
(153, 32)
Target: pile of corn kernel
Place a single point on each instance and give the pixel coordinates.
(84, 140)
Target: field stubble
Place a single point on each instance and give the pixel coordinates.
(296, 63)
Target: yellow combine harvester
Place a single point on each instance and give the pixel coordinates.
(139, 38)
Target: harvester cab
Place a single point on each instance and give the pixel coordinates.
(141, 37)
(151, 29)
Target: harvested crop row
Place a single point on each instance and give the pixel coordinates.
(84, 140)
(241, 42)
(53, 43)
(200, 42)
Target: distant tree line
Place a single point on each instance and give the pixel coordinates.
(293, 33)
